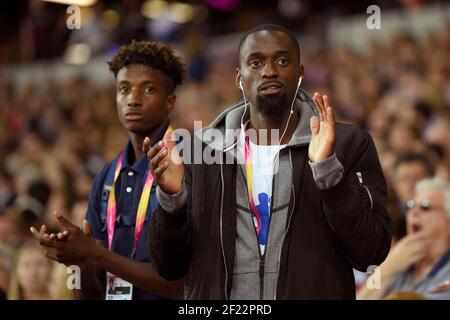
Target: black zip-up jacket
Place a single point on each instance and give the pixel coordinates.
(328, 233)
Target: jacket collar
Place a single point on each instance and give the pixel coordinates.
(229, 124)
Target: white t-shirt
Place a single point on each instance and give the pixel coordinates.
(263, 160)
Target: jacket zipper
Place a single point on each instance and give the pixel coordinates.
(361, 183)
(221, 233)
(262, 257)
(287, 229)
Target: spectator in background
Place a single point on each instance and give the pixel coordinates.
(25, 211)
(12, 228)
(59, 288)
(7, 193)
(420, 262)
(403, 137)
(409, 168)
(437, 133)
(31, 276)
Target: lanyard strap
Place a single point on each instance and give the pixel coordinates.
(141, 211)
(142, 207)
(111, 210)
(249, 172)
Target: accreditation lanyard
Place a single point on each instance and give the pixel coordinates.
(141, 211)
(249, 172)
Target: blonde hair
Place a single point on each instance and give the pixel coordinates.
(59, 288)
(15, 289)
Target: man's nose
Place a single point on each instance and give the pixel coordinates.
(270, 71)
(135, 98)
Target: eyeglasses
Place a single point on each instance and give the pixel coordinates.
(424, 205)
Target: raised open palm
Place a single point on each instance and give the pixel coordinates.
(323, 130)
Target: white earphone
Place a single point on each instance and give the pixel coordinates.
(298, 87)
(299, 82)
(292, 107)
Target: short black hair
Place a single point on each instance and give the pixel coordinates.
(270, 27)
(412, 156)
(156, 55)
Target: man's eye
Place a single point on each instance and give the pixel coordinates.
(123, 90)
(149, 90)
(255, 64)
(283, 61)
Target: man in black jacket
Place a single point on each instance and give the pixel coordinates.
(283, 218)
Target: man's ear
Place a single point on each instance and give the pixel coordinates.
(171, 103)
(238, 78)
(301, 71)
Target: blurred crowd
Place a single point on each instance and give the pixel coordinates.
(54, 137)
(36, 29)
